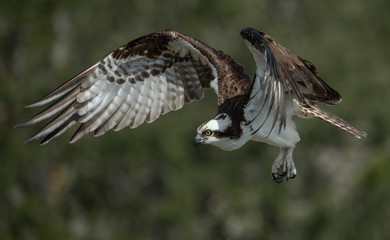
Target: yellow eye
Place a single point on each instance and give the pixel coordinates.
(207, 133)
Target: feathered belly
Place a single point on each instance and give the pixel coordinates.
(263, 125)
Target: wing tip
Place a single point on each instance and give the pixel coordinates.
(29, 123)
(32, 139)
(20, 125)
(73, 140)
(33, 105)
(26, 124)
(359, 134)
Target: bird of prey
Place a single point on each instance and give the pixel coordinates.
(159, 72)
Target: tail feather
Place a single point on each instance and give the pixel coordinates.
(334, 120)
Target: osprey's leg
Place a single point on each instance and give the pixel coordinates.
(283, 166)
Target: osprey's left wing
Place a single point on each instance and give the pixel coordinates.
(284, 73)
(138, 82)
(287, 71)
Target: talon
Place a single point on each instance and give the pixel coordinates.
(283, 166)
(283, 173)
(288, 178)
(277, 178)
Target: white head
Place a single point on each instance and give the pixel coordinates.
(214, 132)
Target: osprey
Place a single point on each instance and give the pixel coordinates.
(159, 72)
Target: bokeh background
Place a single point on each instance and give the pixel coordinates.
(150, 183)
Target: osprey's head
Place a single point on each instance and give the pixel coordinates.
(213, 132)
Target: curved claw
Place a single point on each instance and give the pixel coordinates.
(277, 178)
(283, 167)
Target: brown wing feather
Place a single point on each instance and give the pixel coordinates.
(296, 74)
(138, 82)
(284, 72)
(302, 75)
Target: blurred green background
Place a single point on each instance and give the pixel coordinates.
(150, 183)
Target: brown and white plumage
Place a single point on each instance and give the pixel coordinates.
(285, 72)
(159, 72)
(138, 82)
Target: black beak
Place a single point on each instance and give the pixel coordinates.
(198, 140)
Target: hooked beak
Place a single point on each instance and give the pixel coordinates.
(198, 140)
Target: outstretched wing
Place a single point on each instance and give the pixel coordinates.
(138, 82)
(283, 73)
(286, 72)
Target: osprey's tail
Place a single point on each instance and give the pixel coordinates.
(334, 120)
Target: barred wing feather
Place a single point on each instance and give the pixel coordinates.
(138, 82)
